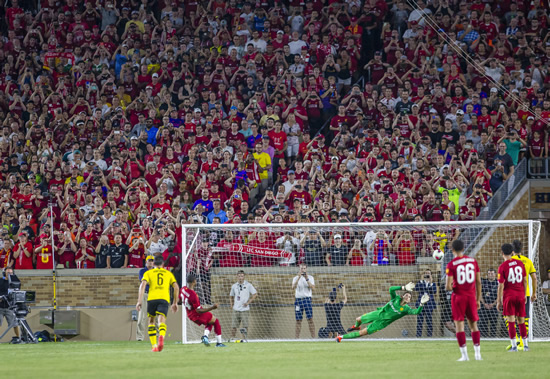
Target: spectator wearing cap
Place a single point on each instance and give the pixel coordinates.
(142, 315)
(290, 183)
(513, 145)
(337, 253)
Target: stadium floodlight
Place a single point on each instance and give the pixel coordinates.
(367, 258)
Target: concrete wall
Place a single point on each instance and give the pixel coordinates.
(106, 298)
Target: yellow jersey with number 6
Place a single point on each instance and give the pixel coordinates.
(160, 280)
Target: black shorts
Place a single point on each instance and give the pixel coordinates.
(527, 306)
(157, 307)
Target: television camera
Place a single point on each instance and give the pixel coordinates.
(18, 302)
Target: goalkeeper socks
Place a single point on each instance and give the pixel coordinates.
(358, 323)
(162, 329)
(461, 339)
(351, 335)
(153, 334)
(512, 332)
(476, 337)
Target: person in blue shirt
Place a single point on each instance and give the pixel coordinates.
(240, 174)
(254, 137)
(151, 131)
(205, 202)
(217, 212)
(142, 315)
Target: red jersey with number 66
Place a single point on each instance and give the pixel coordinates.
(463, 270)
(512, 273)
(191, 302)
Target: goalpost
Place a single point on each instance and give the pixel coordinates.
(367, 258)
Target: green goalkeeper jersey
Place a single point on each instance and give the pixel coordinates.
(393, 310)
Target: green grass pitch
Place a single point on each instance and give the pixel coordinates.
(361, 359)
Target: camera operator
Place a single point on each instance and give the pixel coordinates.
(332, 311)
(7, 277)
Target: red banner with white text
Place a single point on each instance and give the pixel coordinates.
(259, 251)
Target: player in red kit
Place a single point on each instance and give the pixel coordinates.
(464, 280)
(198, 314)
(512, 281)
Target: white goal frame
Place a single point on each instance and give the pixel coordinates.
(533, 242)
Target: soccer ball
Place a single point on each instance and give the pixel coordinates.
(438, 254)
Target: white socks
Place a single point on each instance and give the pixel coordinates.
(514, 343)
(477, 351)
(218, 339)
(206, 332)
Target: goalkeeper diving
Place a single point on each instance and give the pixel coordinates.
(395, 309)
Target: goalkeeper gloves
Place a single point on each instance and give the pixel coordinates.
(424, 299)
(408, 287)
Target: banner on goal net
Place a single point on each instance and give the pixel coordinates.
(350, 269)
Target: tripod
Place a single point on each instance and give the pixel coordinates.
(26, 332)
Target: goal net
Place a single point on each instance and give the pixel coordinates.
(350, 268)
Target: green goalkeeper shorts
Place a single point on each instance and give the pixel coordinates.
(375, 324)
(367, 318)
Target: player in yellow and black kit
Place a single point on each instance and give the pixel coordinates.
(531, 272)
(159, 281)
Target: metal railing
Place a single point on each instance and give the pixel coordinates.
(473, 237)
(498, 201)
(537, 168)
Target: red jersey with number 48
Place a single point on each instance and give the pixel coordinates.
(191, 302)
(512, 273)
(463, 270)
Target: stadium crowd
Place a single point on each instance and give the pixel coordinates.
(130, 118)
